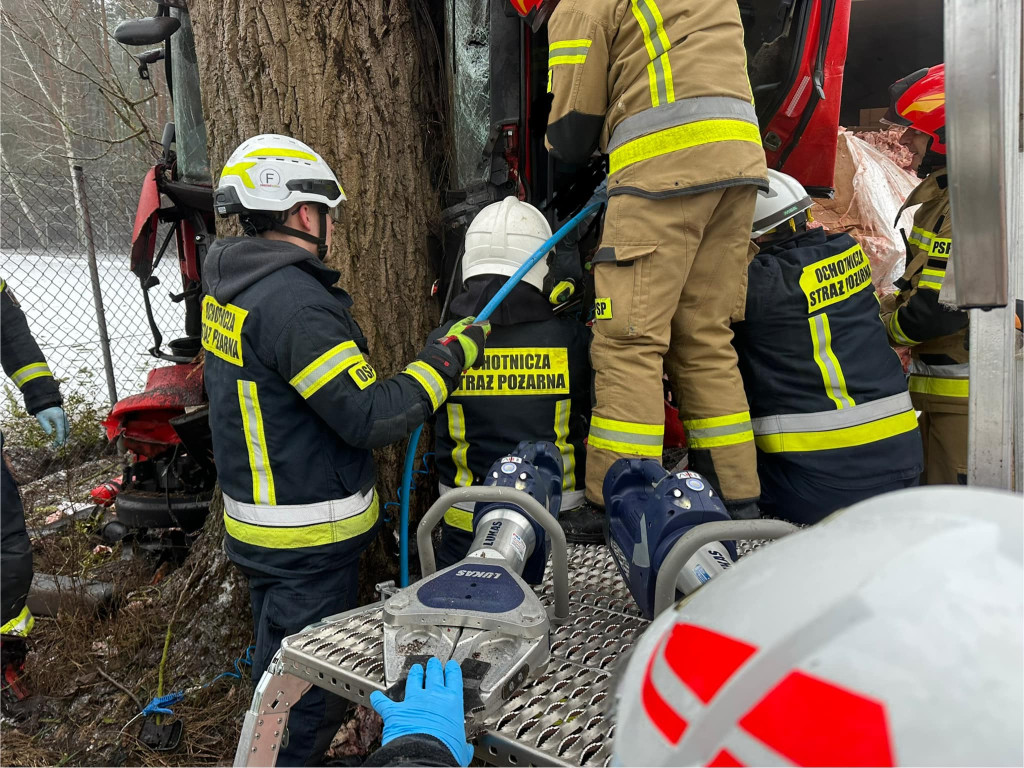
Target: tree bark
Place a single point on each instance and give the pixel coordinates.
(352, 80)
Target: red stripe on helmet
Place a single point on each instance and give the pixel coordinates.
(814, 722)
(705, 660)
(665, 719)
(724, 759)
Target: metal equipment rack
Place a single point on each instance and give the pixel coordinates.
(559, 718)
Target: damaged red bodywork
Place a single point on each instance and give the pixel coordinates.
(143, 420)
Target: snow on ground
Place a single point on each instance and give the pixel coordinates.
(55, 292)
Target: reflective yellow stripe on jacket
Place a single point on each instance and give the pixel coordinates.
(430, 380)
(944, 387)
(659, 71)
(681, 125)
(334, 361)
(831, 371)
(627, 437)
(20, 625)
(256, 443)
(940, 380)
(717, 431)
(460, 453)
(828, 430)
(27, 373)
(290, 526)
(565, 448)
(568, 52)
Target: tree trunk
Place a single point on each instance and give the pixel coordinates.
(352, 80)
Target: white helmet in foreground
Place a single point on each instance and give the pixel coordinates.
(888, 634)
(267, 176)
(502, 237)
(784, 199)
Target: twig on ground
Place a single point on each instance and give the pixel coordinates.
(129, 694)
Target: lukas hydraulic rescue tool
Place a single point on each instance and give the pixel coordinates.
(665, 531)
(482, 611)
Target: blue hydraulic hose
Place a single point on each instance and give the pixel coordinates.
(485, 313)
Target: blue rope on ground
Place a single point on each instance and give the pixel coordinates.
(161, 705)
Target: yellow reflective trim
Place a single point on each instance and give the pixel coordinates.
(27, 373)
(281, 152)
(652, 83)
(459, 518)
(682, 137)
(550, 74)
(579, 58)
(929, 285)
(934, 385)
(669, 87)
(832, 439)
(256, 443)
(629, 426)
(334, 361)
(565, 448)
(717, 431)
(897, 332)
(933, 272)
(622, 447)
(580, 43)
(20, 625)
(304, 535)
(626, 436)
(831, 371)
(240, 170)
(717, 421)
(430, 380)
(460, 453)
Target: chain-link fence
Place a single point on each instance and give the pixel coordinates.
(44, 256)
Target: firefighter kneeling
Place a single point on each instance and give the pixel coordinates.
(833, 421)
(532, 384)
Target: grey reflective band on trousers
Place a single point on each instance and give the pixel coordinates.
(298, 515)
(570, 500)
(681, 112)
(823, 421)
(954, 371)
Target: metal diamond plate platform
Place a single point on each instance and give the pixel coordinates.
(559, 718)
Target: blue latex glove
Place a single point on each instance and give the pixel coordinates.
(54, 422)
(432, 710)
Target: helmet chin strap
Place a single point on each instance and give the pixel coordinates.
(319, 240)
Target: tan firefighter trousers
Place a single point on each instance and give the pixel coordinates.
(944, 436)
(669, 275)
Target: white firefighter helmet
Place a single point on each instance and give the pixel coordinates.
(784, 199)
(888, 634)
(502, 237)
(271, 172)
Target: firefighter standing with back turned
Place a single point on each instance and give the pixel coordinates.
(918, 315)
(296, 408)
(661, 87)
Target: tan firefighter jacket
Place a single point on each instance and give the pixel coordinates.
(936, 334)
(661, 87)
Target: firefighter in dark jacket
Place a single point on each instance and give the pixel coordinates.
(24, 363)
(532, 384)
(296, 407)
(922, 314)
(661, 87)
(832, 418)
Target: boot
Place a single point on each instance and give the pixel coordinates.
(743, 510)
(584, 524)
